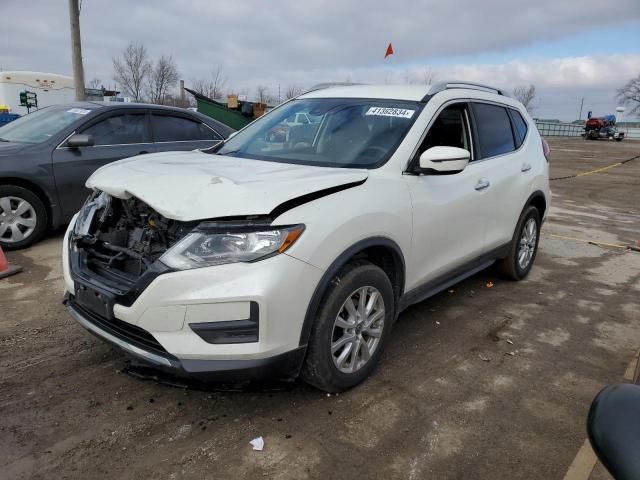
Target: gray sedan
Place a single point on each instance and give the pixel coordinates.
(46, 156)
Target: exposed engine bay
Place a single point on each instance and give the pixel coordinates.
(123, 238)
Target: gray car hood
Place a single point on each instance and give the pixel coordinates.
(191, 186)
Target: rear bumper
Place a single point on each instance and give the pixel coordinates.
(142, 346)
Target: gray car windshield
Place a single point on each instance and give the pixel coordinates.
(41, 125)
(333, 132)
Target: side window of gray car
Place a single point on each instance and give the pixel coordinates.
(169, 128)
(119, 130)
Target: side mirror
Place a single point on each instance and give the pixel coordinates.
(80, 140)
(445, 159)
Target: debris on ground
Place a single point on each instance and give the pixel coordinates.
(489, 284)
(483, 358)
(257, 444)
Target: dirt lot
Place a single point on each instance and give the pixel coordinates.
(447, 401)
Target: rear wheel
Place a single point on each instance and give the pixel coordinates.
(524, 246)
(23, 217)
(352, 325)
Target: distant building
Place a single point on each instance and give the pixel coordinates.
(50, 89)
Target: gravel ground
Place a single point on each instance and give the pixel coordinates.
(477, 382)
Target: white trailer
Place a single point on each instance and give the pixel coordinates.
(50, 88)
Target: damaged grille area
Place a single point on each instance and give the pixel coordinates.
(120, 240)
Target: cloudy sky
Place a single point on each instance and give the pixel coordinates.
(570, 49)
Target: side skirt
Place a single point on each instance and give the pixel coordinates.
(443, 282)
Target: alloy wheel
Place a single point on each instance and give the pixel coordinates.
(528, 240)
(357, 329)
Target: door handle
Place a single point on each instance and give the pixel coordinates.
(525, 167)
(482, 184)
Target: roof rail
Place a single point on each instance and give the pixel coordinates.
(439, 87)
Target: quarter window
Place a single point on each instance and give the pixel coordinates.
(494, 129)
(519, 127)
(167, 128)
(119, 130)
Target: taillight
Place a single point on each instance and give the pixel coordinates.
(546, 149)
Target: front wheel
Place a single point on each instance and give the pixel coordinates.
(524, 246)
(23, 217)
(350, 330)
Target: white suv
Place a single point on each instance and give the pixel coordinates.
(280, 259)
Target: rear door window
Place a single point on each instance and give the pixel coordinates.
(169, 128)
(519, 127)
(123, 129)
(494, 130)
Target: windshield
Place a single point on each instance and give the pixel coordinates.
(331, 132)
(40, 125)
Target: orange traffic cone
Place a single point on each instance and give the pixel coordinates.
(5, 268)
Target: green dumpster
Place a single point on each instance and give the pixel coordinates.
(219, 111)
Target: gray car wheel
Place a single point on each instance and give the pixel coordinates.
(23, 217)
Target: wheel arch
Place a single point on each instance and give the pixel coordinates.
(381, 251)
(538, 200)
(36, 190)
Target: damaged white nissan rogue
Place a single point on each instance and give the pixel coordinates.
(291, 249)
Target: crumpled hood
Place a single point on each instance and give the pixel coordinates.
(193, 185)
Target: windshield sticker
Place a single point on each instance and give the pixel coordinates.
(390, 112)
(79, 111)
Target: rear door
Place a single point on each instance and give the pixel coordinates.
(175, 131)
(500, 148)
(117, 134)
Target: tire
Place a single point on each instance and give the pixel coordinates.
(321, 368)
(26, 227)
(511, 267)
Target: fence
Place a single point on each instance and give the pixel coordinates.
(555, 129)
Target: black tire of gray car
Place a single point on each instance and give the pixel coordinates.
(320, 369)
(509, 267)
(39, 210)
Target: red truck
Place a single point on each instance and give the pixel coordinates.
(602, 127)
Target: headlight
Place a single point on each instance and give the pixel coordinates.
(202, 248)
(95, 202)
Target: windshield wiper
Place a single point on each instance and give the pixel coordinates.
(4, 140)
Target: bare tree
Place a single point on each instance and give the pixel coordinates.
(630, 94)
(213, 87)
(423, 77)
(525, 95)
(162, 77)
(262, 94)
(292, 91)
(409, 78)
(132, 70)
(427, 76)
(95, 83)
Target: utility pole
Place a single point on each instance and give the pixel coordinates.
(76, 49)
(581, 104)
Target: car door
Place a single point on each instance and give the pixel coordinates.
(509, 177)
(116, 134)
(449, 211)
(173, 131)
